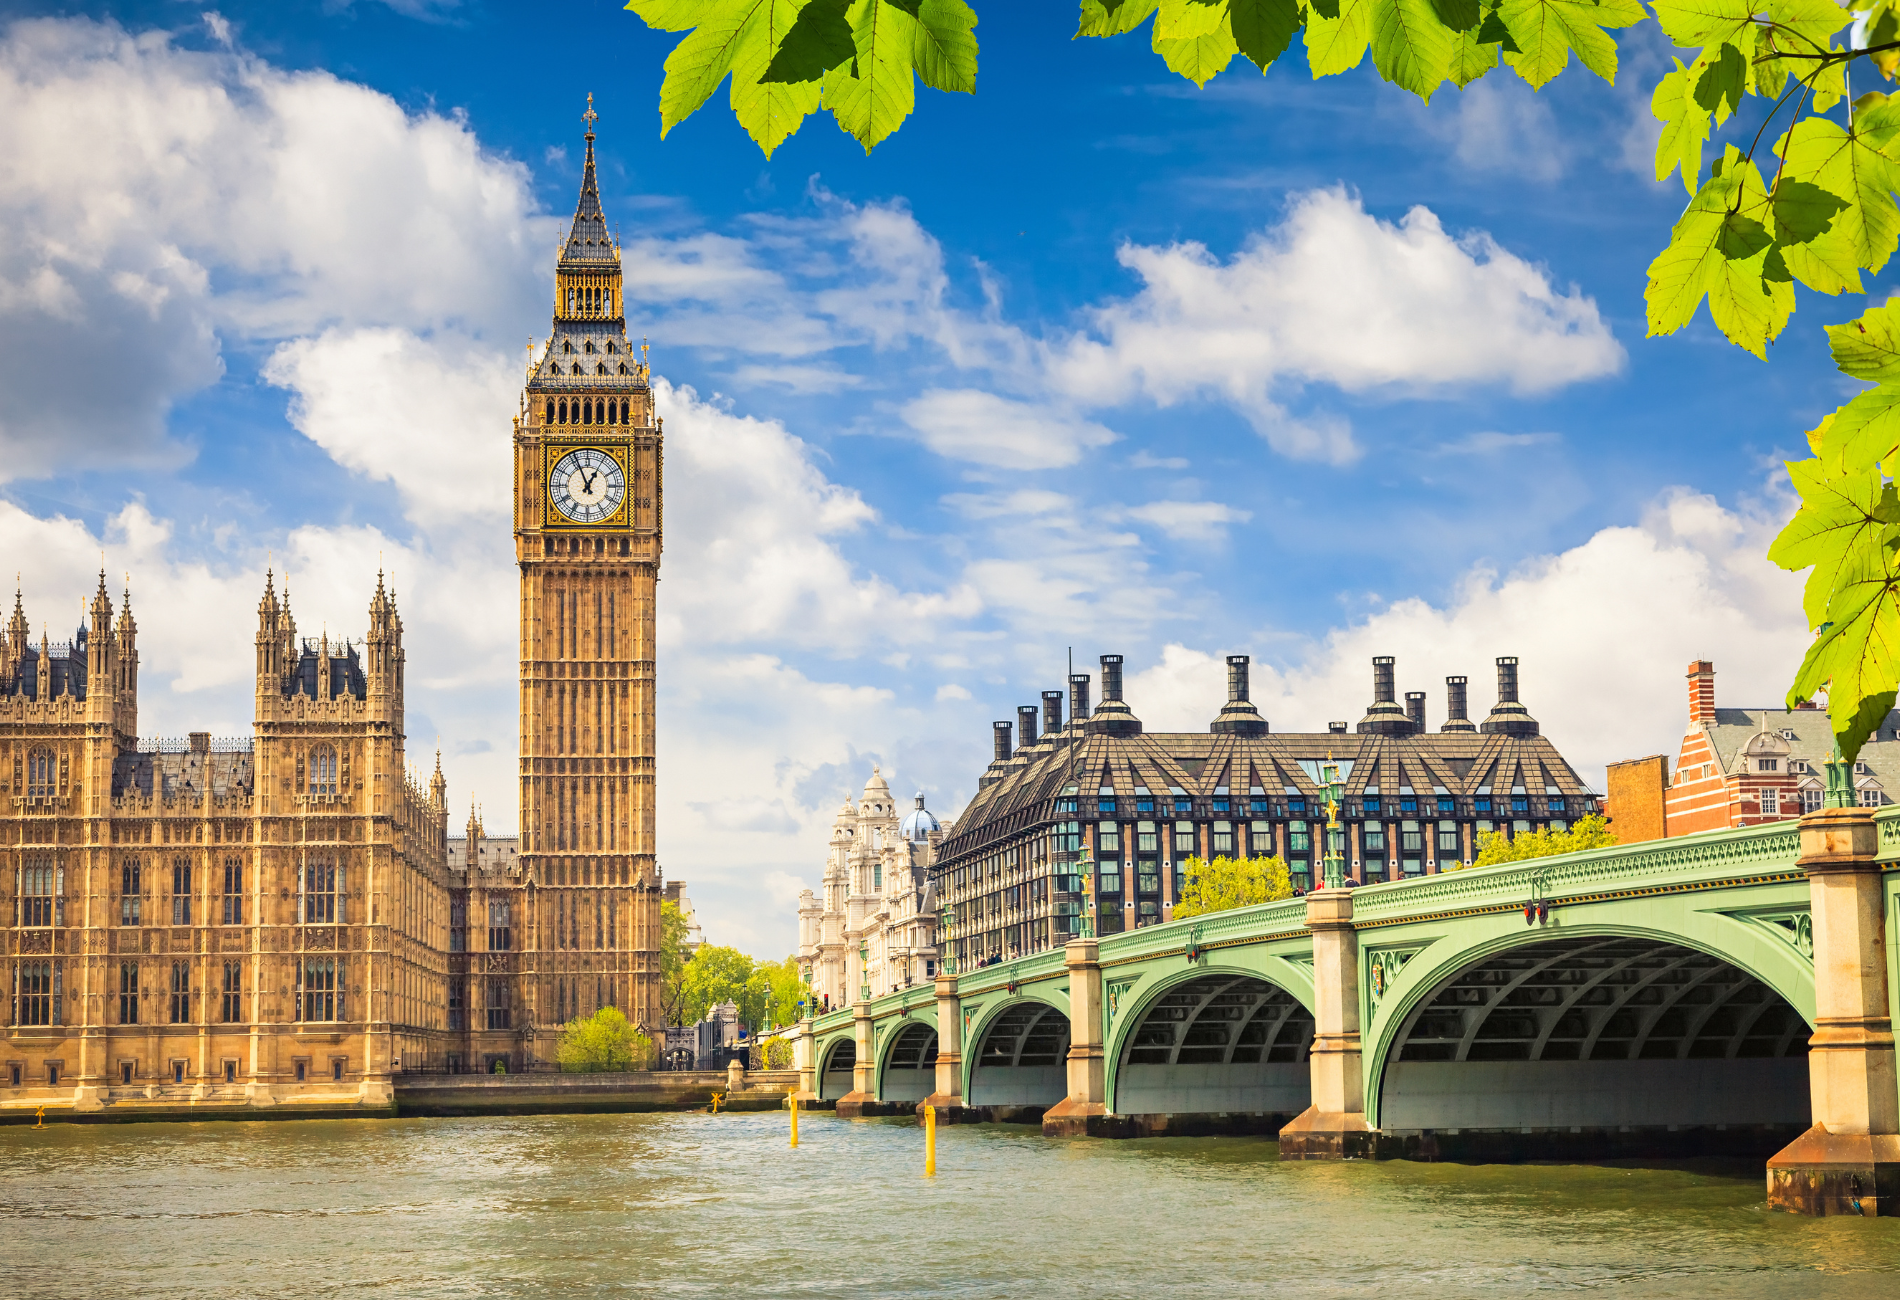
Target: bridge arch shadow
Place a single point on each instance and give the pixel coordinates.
(835, 1070)
(1214, 1051)
(1020, 1066)
(1595, 1046)
(910, 1064)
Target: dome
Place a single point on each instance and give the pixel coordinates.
(919, 825)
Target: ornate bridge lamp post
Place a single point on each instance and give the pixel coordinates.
(946, 955)
(1333, 787)
(864, 970)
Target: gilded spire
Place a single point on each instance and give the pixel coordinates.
(587, 241)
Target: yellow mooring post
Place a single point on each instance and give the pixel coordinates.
(930, 1142)
(39, 1117)
(715, 1098)
(794, 1119)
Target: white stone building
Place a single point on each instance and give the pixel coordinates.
(875, 926)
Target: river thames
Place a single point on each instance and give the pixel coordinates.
(686, 1205)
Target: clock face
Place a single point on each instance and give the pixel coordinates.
(587, 485)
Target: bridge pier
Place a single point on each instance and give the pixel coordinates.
(1849, 1161)
(805, 1061)
(946, 1097)
(862, 1099)
(1085, 1110)
(1334, 1126)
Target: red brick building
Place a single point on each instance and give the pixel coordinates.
(1741, 767)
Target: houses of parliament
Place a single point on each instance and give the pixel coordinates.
(284, 919)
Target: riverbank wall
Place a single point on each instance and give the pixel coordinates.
(404, 1094)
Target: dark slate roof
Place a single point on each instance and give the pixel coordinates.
(69, 669)
(1018, 793)
(568, 364)
(192, 772)
(587, 241)
(346, 672)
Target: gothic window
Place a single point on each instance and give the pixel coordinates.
(128, 993)
(563, 410)
(130, 889)
(318, 997)
(40, 772)
(37, 892)
(323, 770)
(234, 891)
(181, 993)
(550, 419)
(318, 884)
(497, 1004)
(233, 1007)
(33, 995)
(500, 933)
(181, 892)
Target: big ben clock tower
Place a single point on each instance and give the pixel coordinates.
(587, 538)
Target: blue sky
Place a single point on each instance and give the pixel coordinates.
(1091, 359)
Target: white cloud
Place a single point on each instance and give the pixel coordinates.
(1484, 444)
(951, 691)
(1500, 124)
(1334, 295)
(966, 424)
(132, 169)
(1190, 521)
(427, 415)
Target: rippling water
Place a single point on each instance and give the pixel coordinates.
(686, 1205)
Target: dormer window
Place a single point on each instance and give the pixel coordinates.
(589, 346)
(1767, 765)
(567, 346)
(623, 368)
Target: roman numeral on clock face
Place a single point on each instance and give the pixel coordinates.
(587, 485)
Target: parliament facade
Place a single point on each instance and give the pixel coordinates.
(283, 919)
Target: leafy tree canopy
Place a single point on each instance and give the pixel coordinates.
(602, 1041)
(1226, 883)
(1780, 193)
(1592, 832)
(672, 962)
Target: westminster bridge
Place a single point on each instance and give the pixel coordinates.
(1720, 993)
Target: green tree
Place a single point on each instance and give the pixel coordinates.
(1226, 883)
(776, 987)
(672, 963)
(1762, 76)
(602, 1041)
(717, 974)
(1592, 832)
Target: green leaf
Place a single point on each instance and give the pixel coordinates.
(1685, 127)
(1326, 8)
(871, 97)
(1803, 211)
(669, 15)
(1868, 348)
(944, 51)
(1410, 46)
(1866, 230)
(771, 110)
(1719, 249)
(1471, 58)
(1856, 657)
(1694, 23)
(1458, 15)
(1263, 28)
(818, 41)
(1837, 515)
(1099, 19)
(1813, 22)
(1198, 58)
(1492, 31)
(1338, 44)
(1547, 30)
(1863, 433)
(1723, 82)
(1182, 20)
(700, 62)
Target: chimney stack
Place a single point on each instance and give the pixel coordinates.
(1026, 725)
(1079, 697)
(1238, 717)
(1003, 747)
(1385, 717)
(1051, 713)
(1113, 717)
(1457, 701)
(1509, 717)
(1701, 692)
(1415, 709)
